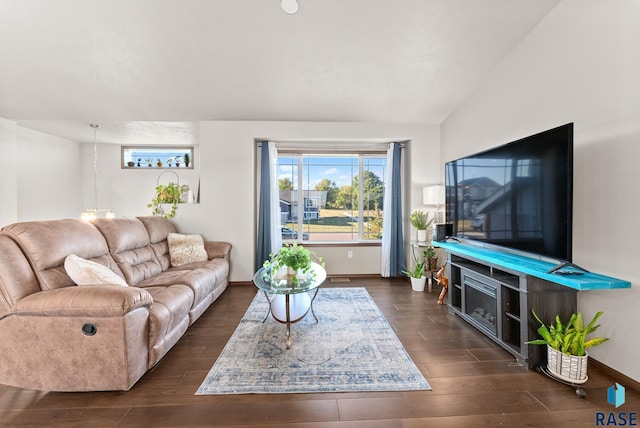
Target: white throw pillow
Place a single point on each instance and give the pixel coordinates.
(86, 272)
(185, 249)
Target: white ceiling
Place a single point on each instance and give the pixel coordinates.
(152, 68)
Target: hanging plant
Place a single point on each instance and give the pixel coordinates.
(170, 193)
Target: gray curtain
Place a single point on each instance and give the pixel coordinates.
(264, 245)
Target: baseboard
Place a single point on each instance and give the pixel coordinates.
(622, 379)
(331, 278)
(354, 277)
(233, 283)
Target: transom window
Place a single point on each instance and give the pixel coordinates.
(331, 197)
(156, 157)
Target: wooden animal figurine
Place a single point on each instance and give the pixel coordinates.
(444, 282)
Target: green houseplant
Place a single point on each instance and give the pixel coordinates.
(292, 263)
(566, 345)
(417, 271)
(431, 258)
(170, 193)
(421, 221)
(416, 275)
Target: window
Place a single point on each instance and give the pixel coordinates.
(156, 157)
(331, 197)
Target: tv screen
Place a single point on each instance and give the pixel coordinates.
(518, 195)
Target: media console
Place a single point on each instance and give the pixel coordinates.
(495, 291)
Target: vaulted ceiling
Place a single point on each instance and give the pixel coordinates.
(146, 67)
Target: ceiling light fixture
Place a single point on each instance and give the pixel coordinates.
(92, 213)
(290, 6)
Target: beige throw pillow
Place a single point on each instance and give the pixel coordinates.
(86, 272)
(185, 249)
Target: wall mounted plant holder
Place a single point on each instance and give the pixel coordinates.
(172, 194)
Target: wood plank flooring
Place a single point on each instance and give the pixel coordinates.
(475, 383)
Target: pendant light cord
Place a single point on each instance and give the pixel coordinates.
(95, 163)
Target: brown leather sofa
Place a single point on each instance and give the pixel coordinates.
(57, 336)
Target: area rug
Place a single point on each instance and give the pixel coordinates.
(351, 348)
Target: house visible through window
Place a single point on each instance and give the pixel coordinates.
(331, 197)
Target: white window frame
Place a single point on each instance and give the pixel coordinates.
(379, 153)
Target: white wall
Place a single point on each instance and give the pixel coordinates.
(226, 165)
(128, 191)
(8, 173)
(40, 175)
(580, 65)
(49, 176)
(228, 193)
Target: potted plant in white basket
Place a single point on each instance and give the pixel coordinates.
(566, 346)
(416, 275)
(420, 220)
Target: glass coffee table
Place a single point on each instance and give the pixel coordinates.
(290, 302)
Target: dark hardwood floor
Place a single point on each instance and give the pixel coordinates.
(475, 383)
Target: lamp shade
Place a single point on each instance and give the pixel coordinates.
(433, 195)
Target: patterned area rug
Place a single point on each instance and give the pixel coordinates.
(352, 348)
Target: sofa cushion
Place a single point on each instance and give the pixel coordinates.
(129, 246)
(202, 277)
(168, 318)
(158, 228)
(17, 279)
(107, 301)
(185, 249)
(86, 272)
(46, 244)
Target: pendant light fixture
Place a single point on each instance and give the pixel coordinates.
(93, 213)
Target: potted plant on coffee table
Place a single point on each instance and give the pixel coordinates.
(566, 346)
(420, 220)
(291, 263)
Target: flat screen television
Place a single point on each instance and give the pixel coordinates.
(518, 195)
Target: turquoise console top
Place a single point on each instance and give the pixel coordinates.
(533, 267)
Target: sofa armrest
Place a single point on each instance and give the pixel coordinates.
(100, 301)
(217, 249)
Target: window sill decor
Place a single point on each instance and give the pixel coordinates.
(156, 157)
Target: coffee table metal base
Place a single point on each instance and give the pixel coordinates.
(290, 308)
